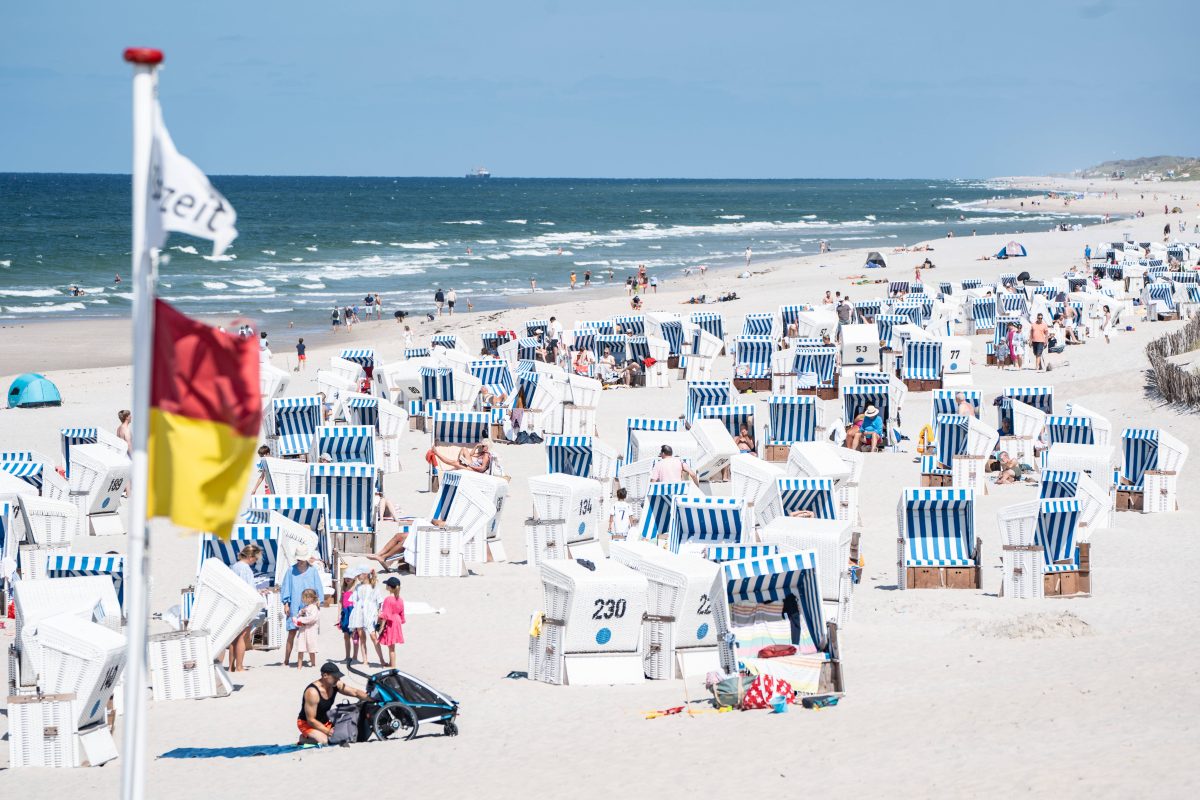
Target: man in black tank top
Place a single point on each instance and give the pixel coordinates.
(313, 719)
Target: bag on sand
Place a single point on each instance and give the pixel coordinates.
(345, 721)
(730, 691)
(764, 689)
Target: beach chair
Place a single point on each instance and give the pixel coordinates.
(74, 565)
(1072, 429)
(630, 324)
(856, 398)
(344, 444)
(48, 523)
(983, 316)
(655, 521)
(1064, 561)
(83, 659)
(457, 429)
(1189, 306)
(719, 554)
(711, 323)
(678, 636)
(748, 599)
(576, 505)
(1095, 501)
(348, 372)
(697, 522)
(470, 504)
(887, 329)
(706, 393)
(580, 400)
(34, 601)
(817, 372)
(296, 422)
(937, 543)
(634, 478)
(581, 456)
(836, 546)
(789, 495)
(224, 606)
(642, 432)
(733, 417)
(1151, 460)
(69, 437)
(98, 478)
(252, 527)
(817, 324)
(752, 363)
(361, 409)
(789, 420)
(964, 445)
(865, 311)
(349, 491)
(944, 401)
(495, 377)
(712, 446)
(589, 628)
(758, 325)
(285, 476)
(922, 370)
(1159, 300)
(826, 460)
(309, 510)
(860, 347)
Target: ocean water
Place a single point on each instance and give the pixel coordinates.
(308, 243)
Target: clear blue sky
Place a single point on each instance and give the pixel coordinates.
(692, 88)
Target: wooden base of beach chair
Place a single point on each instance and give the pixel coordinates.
(672, 362)
(827, 392)
(349, 544)
(1128, 499)
(937, 480)
(752, 384)
(776, 453)
(918, 385)
(1074, 582)
(831, 679)
(942, 578)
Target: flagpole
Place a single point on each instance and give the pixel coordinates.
(145, 62)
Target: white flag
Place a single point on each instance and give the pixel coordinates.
(181, 199)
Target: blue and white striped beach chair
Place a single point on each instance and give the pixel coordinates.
(437, 383)
(1011, 304)
(788, 315)
(363, 356)
(490, 341)
(309, 510)
(69, 437)
(1159, 299)
(871, 378)
(946, 289)
(818, 362)
(417, 352)
(527, 347)
(26, 469)
(1149, 450)
(913, 312)
(856, 398)
(786, 496)
(536, 328)
(658, 506)
(733, 417)
(630, 324)
(495, 375)
(345, 444)
(672, 333)
(570, 455)
(758, 324)
(251, 528)
(887, 324)
(739, 552)
(867, 310)
(1040, 397)
(349, 490)
(970, 283)
(983, 314)
(584, 339)
(922, 362)
(1070, 430)
(896, 288)
(447, 340)
(937, 530)
(617, 344)
(362, 409)
(296, 422)
(790, 419)
(706, 393)
(752, 363)
(698, 522)
(1058, 484)
(944, 401)
(710, 321)
(645, 424)
(1056, 531)
(639, 349)
(74, 565)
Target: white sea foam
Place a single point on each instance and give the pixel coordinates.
(485, 241)
(6, 263)
(312, 248)
(185, 248)
(365, 241)
(871, 217)
(215, 285)
(601, 263)
(464, 222)
(809, 216)
(30, 292)
(297, 259)
(545, 223)
(276, 310)
(251, 282)
(269, 252)
(499, 256)
(50, 308)
(418, 245)
(312, 286)
(517, 221)
(224, 257)
(99, 301)
(732, 216)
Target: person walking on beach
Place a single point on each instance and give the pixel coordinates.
(307, 626)
(439, 300)
(1105, 325)
(587, 278)
(572, 280)
(247, 556)
(408, 338)
(301, 358)
(629, 284)
(378, 307)
(654, 283)
(335, 319)
(749, 253)
(313, 720)
(125, 429)
(451, 299)
(532, 283)
(392, 614)
(1039, 335)
(300, 576)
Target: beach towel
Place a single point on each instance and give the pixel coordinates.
(764, 689)
(237, 752)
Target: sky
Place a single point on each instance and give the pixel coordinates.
(656, 88)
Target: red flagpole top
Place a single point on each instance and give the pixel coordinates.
(143, 55)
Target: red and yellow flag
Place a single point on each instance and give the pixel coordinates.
(205, 412)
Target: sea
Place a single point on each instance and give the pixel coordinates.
(306, 244)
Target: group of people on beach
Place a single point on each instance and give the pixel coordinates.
(346, 317)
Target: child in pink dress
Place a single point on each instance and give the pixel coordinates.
(392, 615)
(344, 619)
(306, 629)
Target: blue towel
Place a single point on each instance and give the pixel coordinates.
(237, 752)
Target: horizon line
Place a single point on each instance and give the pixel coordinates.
(533, 177)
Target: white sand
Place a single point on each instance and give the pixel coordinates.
(950, 693)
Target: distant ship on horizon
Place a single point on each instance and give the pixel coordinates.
(479, 173)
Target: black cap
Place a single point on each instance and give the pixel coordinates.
(392, 581)
(330, 668)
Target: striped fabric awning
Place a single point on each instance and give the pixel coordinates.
(789, 315)
(1139, 452)
(536, 328)
(463, 428)
(74, 565)
(1058, 484)
(584, 339)
(1163, 293)
(416, 352)
(252, 528)
(657, 507)
(706, 393)
(1040, 397)
(446, 340)
(930, 465)
(617, 344)
(569, 455)
(914, 313)
(645, 424)
(639, 348)
(971, 283)
(821, 361)
(495, 375)
(855, 400)
(938, 527)
(309, 510)
(296, 421)
(945, 402)
(768, 580)
(1014, 304)
(739, 552)
(733, 417)
(758, 324)
(983, 311)
(706, 520)
(922, 360)
(28, 471)
(1056, 528)
(437, 383)
(527, 348)
(346, 444)
(867, 309)
(886, 324)
(897, 287)
(807, 494)
(752, 357)
(1070, 430)
(8, 543)
(710, 321)
(871, 378)
(349, 490)
(363, 356)
(362, 410)
(946, 288)
(951, 437)
(672, 332)
(631, 324)
(69, 437)
(791, 418)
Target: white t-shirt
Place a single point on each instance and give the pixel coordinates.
(622, 513)
(555, 331)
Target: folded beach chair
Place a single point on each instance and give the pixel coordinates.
(789, 420)
(657, 508)
(752, 363)
(697, 522)
(470, 504)
(751, 477)
(69, 437)
(361, 409)
(296, 422)
(748, 601)
(922, 365)
(589, 627)
(836, 546)
(639, 447)
(224, 606)
(83, 660)
(344, 444)
(706, 393)
(937, 543)
(1151, 460)
(1095, 501)
(73, 565)
(252, 527)
(712, 446)
(860, 346)
(789, 495)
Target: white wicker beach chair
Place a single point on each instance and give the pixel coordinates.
(90, 597)
(750, 478)
(714, 448)
(81, 658)
(181, 665)
(679, 638)
(834, 543)
(49, 523)
(473, 503)
(42, 731)
(98, 479)
(577, 503)
(436, 552)
(1021, 555)
(286, 476)
(224, 605)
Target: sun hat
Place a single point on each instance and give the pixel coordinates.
(871, 411)
(303, 554)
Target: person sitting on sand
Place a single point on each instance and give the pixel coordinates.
(608, 367)
(636, 303)
(745, 441)
(318, 699)
(868, 427)
(1010, 469)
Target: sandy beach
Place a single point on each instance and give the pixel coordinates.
(948, 692)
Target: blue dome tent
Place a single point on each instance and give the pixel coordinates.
(32, 390)
(1012, 250)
